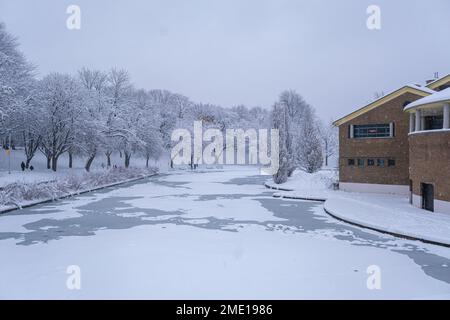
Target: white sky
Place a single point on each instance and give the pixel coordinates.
(230, 52)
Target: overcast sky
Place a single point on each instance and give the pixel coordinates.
(231, 52)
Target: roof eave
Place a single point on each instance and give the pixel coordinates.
(434, 104)
(380, 102)
(438, 82)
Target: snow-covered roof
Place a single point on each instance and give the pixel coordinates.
(414, 88)
(440, 81)
(419, 87)
(437, 97)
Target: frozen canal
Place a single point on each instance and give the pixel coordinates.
(214, 235)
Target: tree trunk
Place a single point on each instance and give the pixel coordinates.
(89, 163)
(54, 163)
(27, 163)
(70, 160)
(146, 163)
(49, 160)
(127, 159)
(108, 158)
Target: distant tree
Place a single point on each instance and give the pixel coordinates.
(330, 140)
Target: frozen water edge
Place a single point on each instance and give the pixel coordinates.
(184, 236)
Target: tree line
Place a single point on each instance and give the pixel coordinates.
(95, 113)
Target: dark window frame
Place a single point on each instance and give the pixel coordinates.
(381, 162)
(434, 122)
(367, 131)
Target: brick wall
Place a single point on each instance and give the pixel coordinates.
(395, 148)
(430, 162)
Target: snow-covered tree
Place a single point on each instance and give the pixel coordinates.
(300, 140)
(330, 140)
(151, 143)
(279, 121)
(30, 131)
(16, 84)
(309, 155)
(61, 100)
(119, 91)
(90, 136)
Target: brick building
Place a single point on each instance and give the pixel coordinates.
(393, 144)
(429, 151)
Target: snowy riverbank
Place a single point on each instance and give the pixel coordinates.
(19, 194)
(385, 213)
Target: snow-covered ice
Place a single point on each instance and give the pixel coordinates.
(211, 235)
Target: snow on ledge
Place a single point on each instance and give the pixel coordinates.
(391, 215)
(437, 97)
(428, 131)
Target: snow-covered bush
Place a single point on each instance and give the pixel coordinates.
(18, 193)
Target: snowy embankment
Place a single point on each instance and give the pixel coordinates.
(22, 194)
(316, 186)
(385, 213)
(391, 214)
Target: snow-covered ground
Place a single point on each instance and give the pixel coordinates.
(392, 214)
(41, 173)
(317, 185)
(29, 187)
(384, 212)
(207, 235)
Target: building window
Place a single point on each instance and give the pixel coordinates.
(351, 162)
(372, 131)
(434, 122)
(391, 163)
(360, 162)
(380, 162)
(370, 162)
